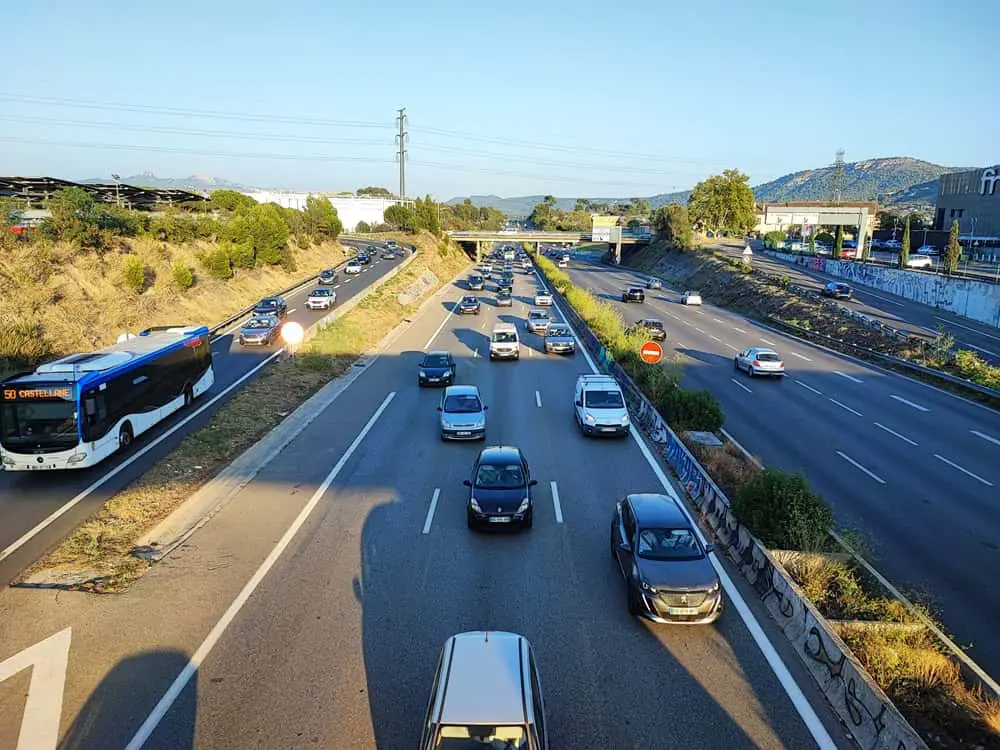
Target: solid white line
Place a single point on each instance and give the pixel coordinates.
(963, 470)
(893, 432)
(10, 550)
(849, 377)
(979, 348)
(443, 322)
(538, 399)
(929, 330)
(741, 385)
(801, 356)
(879, 296)
(902, 400)
(845, 406)
(856, 465)
(430, 510)
(967, 328)
(809, 388)
(984, 436)
(555, 502)
(749, 456)
(768, 342)
(199, 656)
(738, 329)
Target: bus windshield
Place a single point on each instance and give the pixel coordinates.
(48, 424)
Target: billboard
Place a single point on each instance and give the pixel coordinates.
(602, 226)
(779, 218)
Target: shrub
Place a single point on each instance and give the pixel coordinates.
(183, 275)
(970, 365)
(22, 343)
(774, 240)
(134, 274)
(727, 466)
(363, 227)
(242, 255)
(782, 510)
(218, 263)
(825, 238)
(691, 410)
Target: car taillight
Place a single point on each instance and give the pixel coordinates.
(756, 363)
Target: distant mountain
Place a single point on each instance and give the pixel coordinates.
(897, 181)
(194, 182)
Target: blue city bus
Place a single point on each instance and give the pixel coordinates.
(76, 411)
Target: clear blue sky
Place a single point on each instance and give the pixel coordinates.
(637, 98)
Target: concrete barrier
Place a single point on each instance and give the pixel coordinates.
(864, 708)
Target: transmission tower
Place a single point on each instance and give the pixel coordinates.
(401, 153)
(838, 176)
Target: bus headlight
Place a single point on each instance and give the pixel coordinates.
(76, 458)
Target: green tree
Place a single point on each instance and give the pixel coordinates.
(673, 223)
(838, 243)
(376, 192)
(321, 218)
(916, 221)
(264, 228)
(363, 227)
(582, 204)
(217, 262)
(182, 274)
(953, 250)
(231, 200)
(783, 511)
(425, 212)
(887, 221)
(904, 250)
(724, 203)
(543, 215)
(634, 225)
(638, 207)
(400, 217)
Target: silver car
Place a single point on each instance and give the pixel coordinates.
(758, 361)
(463, 414)
(538, 320)
(559, 339)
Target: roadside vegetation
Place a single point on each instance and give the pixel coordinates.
(783, 511)
(92, 270)
(98, 555)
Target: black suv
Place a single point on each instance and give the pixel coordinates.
(837, 290)
(271, 306)
(500, 489)
(634, 294)
(651, 328)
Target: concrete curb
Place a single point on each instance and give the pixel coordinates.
(211, 498)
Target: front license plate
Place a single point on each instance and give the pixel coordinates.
(500, 519)
(607, 429)
(682, 610)
(463, 434)
(433, 380)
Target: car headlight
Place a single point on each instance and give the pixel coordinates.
(423, 374)
(625, 421)
(714, 588)
(475, 505)
(646, 587)
(479, 424)
(524, 505)
(590, 419)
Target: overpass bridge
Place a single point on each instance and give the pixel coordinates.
(618, 238)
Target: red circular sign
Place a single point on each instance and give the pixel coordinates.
(651, 352)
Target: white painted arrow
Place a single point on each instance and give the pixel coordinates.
(48, 660)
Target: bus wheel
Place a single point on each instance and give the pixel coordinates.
(188, 396)
(125, 437)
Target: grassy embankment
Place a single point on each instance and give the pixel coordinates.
(101, 547)
(903, 657)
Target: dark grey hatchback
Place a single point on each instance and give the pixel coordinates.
(436, 368)
(500, 489)
(668, 575)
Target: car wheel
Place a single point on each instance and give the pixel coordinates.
(188, 396)
(529, 520)
(469, 520)
(750, 372)
(633, 601)
(736, 363)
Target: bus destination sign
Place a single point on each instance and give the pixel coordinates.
(11, 393)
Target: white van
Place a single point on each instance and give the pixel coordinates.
(504, 342)
(599, 406)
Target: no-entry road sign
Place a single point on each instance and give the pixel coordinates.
(651, 352)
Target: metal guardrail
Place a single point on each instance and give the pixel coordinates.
(985, 275)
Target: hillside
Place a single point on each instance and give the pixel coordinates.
(194, 182)
(898, 181)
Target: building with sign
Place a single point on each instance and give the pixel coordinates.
(351, 209)
(973, 198)
(601, 227)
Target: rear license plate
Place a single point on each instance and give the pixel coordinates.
(682, 610)
(500, 519)
(463, 434)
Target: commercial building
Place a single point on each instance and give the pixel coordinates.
(352, 209)
(972, 198)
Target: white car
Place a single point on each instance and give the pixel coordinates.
(926, 250)
(758, 361)
(919, 261)
(543, 299)
(321, 298)
(353, 266)
(563, 263)
(691, 298)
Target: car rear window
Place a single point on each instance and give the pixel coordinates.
(767, 357)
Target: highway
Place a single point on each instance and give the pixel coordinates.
(27, 499)
(912, 467)
(360, 565)
(890, 309)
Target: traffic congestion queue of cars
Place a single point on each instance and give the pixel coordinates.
(486, 690)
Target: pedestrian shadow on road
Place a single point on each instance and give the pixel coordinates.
(119, 705)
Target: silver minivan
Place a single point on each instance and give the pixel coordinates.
(463, 414)
(486, 693)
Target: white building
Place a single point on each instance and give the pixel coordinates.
(350, 208)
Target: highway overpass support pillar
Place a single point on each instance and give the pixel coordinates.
(616, 245)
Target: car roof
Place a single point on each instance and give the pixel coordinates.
(461, 390)
(498, 454)
(324, 290)
(764, 350)
(437, 353)
(653, 510)
(505, 327)
(538, 311)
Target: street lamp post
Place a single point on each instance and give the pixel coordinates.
(118, 195)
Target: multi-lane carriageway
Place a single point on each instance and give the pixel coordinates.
(915, 469)
(28, 502)
(310, 611)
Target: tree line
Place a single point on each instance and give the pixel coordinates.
(426, 214)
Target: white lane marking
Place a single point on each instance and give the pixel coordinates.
(963, 470)
(74, 501)
(801, 356)
(749, 456)
(48, 660)
(849, 377)
(846, 407)
(197, 659)
(673, 316)
(809, 388)
(715, 338)
(229, 330)
(699, 312)
(741, 385)
(893, 432)
(879, 296)
(902, 400)
(555, 502)
(719, 320)
(984, 436)
(291, 311)
(768, 342)
(443, 323)
(687, 322)
(979, 349)
(856, 465)
(431, 509)
(929, 330)
(735, 328)
(538, 399)
(967, 328)
(734, 348)
(701, 331)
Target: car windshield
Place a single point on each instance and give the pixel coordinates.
(259, 323)
(326, 274)
(604, 400)
(267, 304)
(321, 293)
(504, 295)
(555, 330)
(462, 404)
(538, 315)
(435, 360)
(767, 357)
(654, 324)
(475, 278)
(668, 544)
(500, 477)
(469, 300)
(505, 337)
(452, 737)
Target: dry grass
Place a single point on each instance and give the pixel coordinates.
(727, 465)
(101, 547)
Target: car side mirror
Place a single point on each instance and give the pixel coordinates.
(579, 402)
(466, 482)
(709, 548)
(533, 483)
(439, 408)
(625, 547)
(486, 408)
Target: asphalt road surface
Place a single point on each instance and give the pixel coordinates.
(366, 567)
(898, 312)
(914, 468)
(27, 499)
